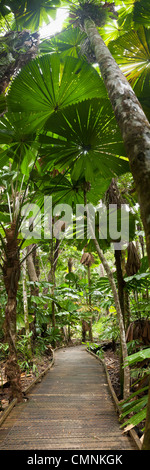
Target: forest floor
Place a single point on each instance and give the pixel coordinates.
(39, 364)
(113, 366)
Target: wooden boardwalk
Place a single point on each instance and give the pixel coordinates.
(70, 409)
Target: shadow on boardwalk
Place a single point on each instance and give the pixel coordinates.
(70, 409)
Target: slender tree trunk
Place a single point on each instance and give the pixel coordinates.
(25, 305)
(90, 322)
(11, 274)
(120, 281)
(34, 289)
(70, 265)
(131, 119)
(126, 388)
(113, 196)
(53, 286)
(120, 318)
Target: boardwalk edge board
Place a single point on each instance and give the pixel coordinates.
(132, 432)
(26, 391)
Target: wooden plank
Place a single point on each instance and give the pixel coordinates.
(70, 409)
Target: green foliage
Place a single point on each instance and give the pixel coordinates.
(141, 13)
(136, 404)
(138, 407)
(67, 44)
(139, 356)
(93, 9)
(132, 52)
(4, 349)
(29, 15)
(58, 133)
(83, 134)
(107, 327)
(95, 347)
(48, 84)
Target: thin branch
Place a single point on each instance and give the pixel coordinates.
(10, 213)
(31, 251)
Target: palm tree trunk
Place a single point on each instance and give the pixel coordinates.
(135, 130)
(131, 119)
(34, 289)
(90, 303)
(120, 319)
(11, 274)
(53, 287)
(25, 305)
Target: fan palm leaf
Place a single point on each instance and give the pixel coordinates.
(66, 43)
(86, 136)
(48, 84)
(132, 52)
(141, 13)
(17, 143)
(30, 14)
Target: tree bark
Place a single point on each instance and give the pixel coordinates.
(11, 274)
(126, 391)
(34, 289)
(25, 305)
(90, 303)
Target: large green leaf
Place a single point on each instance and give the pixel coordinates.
(141, 12)
(67, 43)
(114, 29)
(17, 141)
(30, 14)
(47, 85)
(86, 134)
(132, 52)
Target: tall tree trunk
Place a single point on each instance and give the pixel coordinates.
(126, 387)
(131, 119)
(113, 196)
(11, 274)
(90, 304)
(25, 305)
(53, 286)
(34, 289)
(135, 130)
(70, 265)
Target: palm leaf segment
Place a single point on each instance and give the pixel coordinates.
(141, 13)
(30, 14)
(47, 85)
(66, 44)
(81, 138)
(17, 145)
(132, 52)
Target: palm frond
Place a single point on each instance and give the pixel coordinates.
(48, 84)
(86, 134)
(141, 13)
(132, 52)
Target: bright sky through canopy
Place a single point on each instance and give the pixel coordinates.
(54, 26)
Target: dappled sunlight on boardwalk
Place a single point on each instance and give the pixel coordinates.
(70, 409)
